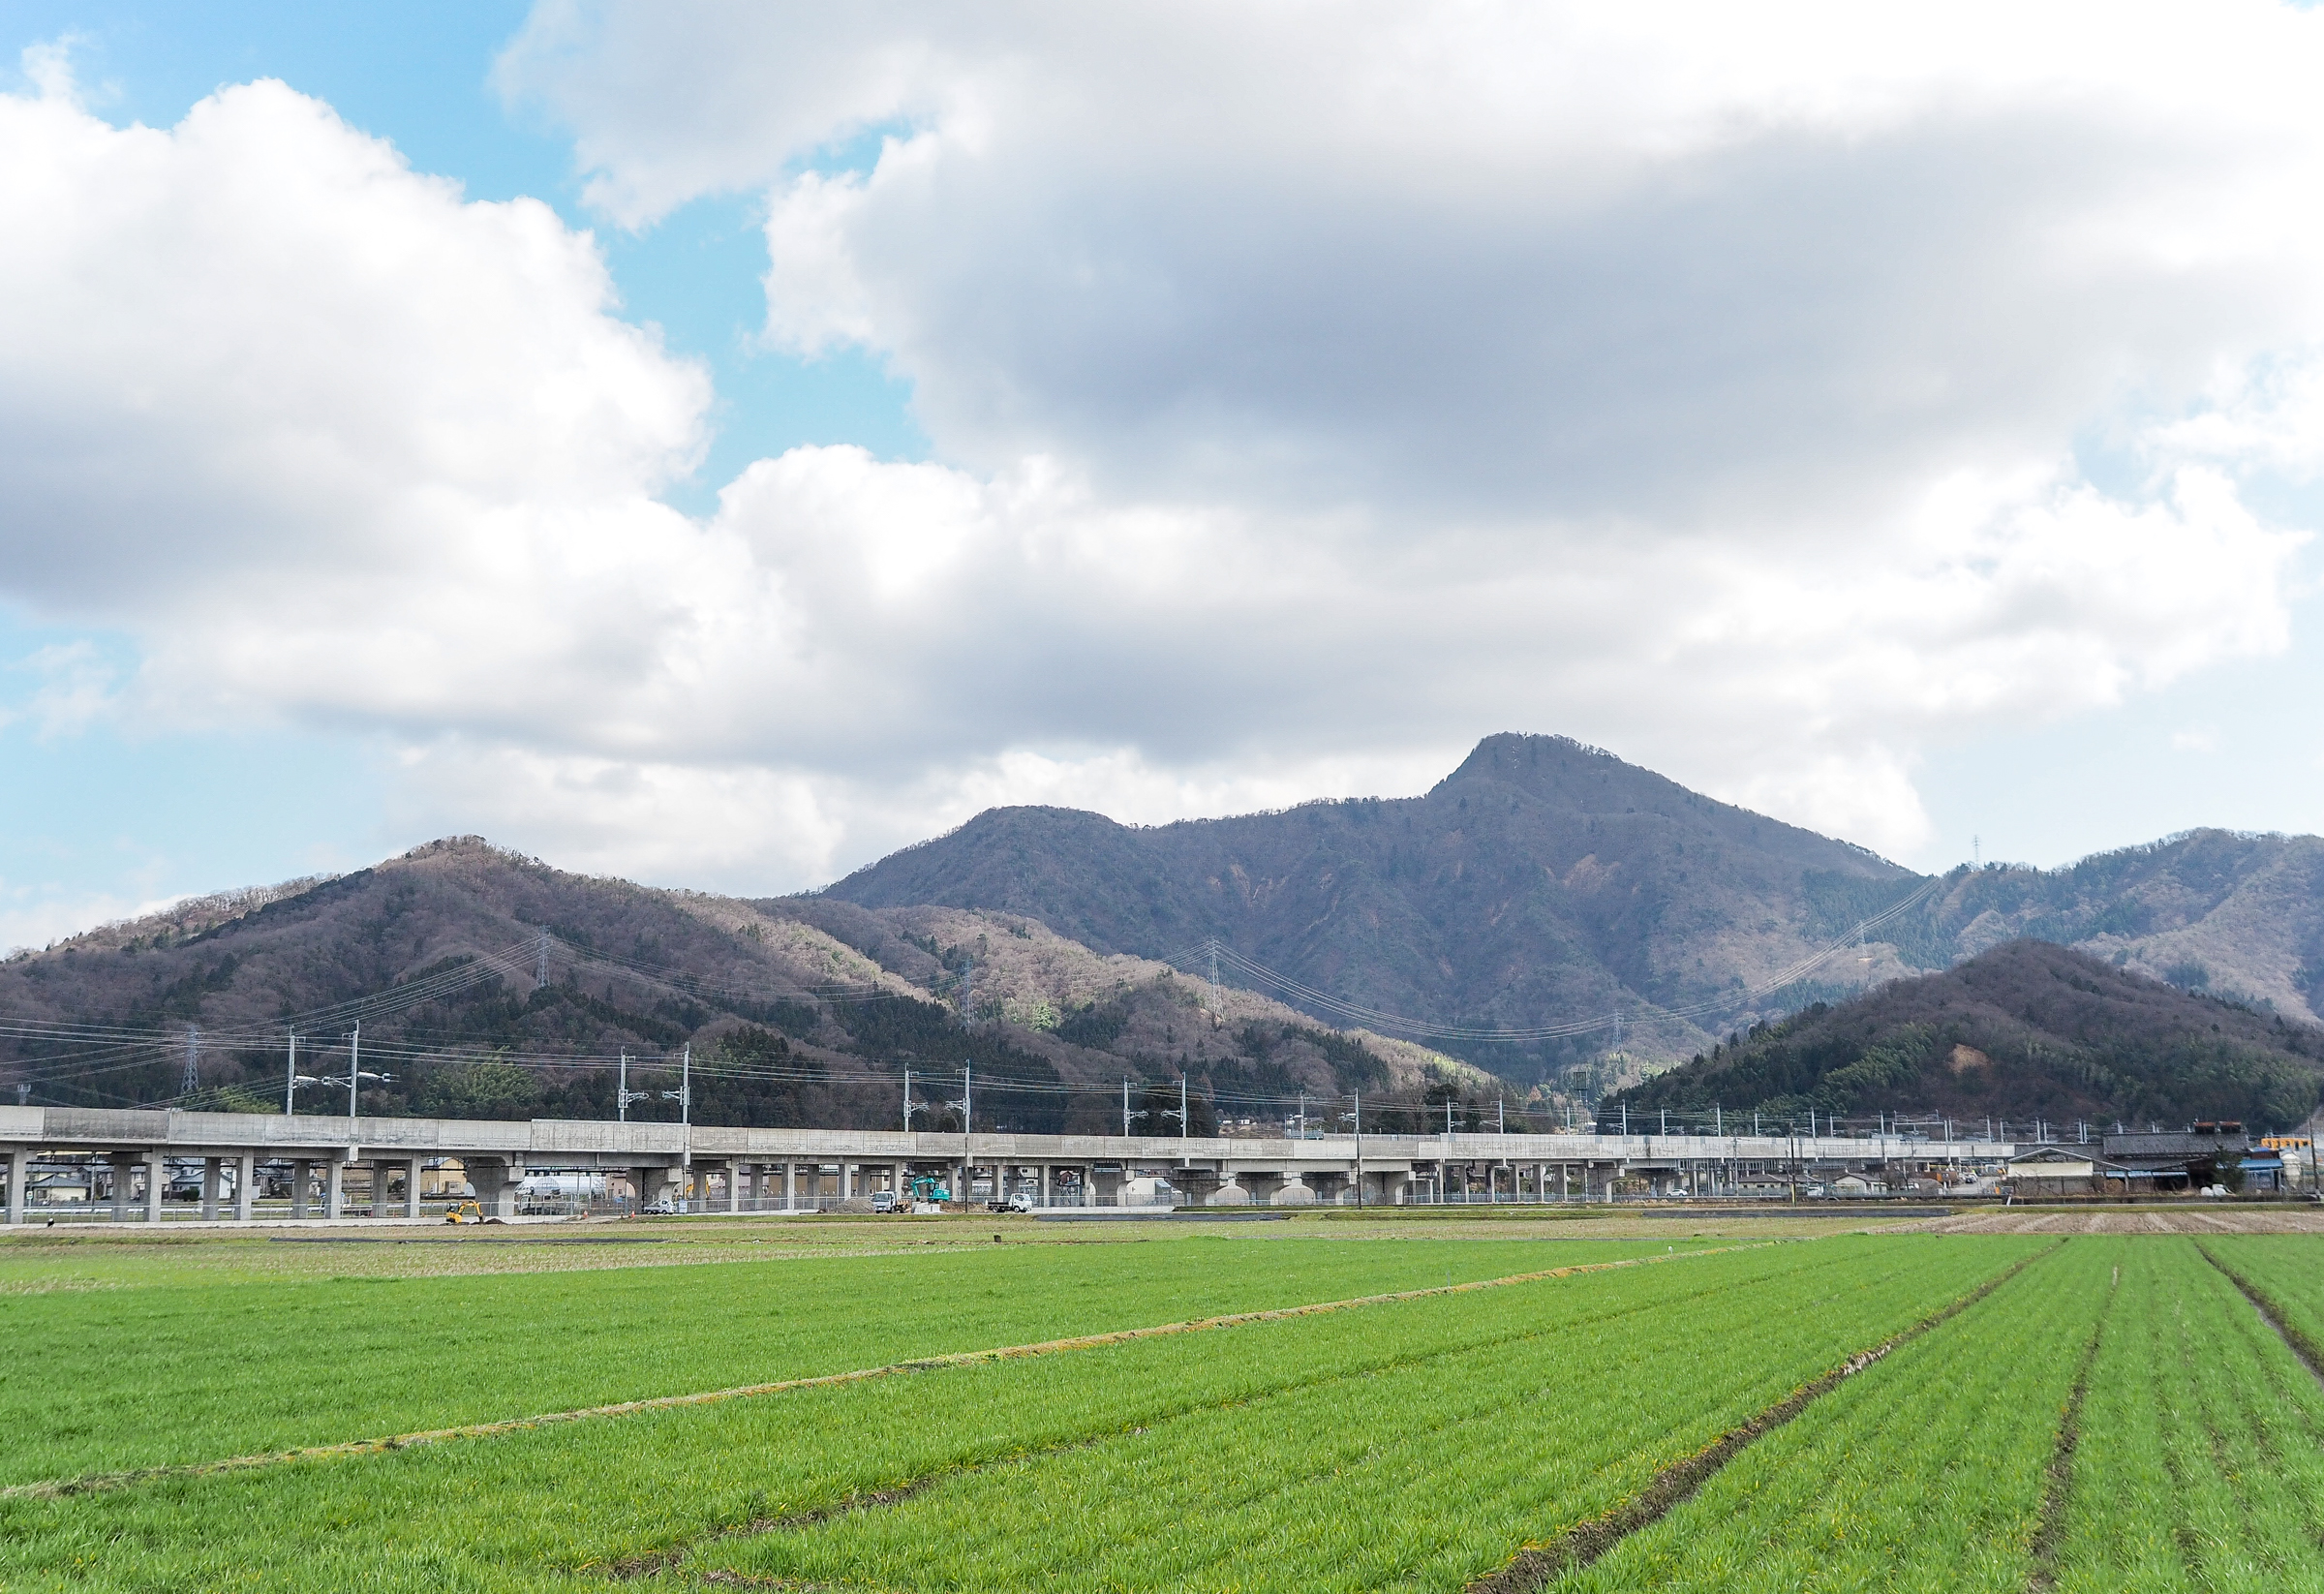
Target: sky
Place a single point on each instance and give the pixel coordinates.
(719, 444)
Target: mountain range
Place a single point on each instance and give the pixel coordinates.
(2029, 1030)
(1547, 919)
(1545, 886)
(464, 980)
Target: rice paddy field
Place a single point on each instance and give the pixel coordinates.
(1309, 1406)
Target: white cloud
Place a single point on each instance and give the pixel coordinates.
(1315, 389)
(256, 350)
(75, 687)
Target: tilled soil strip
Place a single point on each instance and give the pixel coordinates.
(2049, 1529)
(2310, 1354)
(1536, 1565)
(52, 1488)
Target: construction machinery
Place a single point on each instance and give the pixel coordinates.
(469, 1211)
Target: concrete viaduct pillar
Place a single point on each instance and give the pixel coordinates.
(334, 1188)
(495, 1181)
(652, 1184)
(157, 1184)
(246, 1179)
(210, 1168)
(19, 1172)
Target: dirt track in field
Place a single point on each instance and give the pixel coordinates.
(2188, 1219)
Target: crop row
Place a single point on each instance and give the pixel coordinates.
(1429, 1473)
(2283, 1271)
(265, 1366)
(1926, 1471)
(1512, 1384)
(2200, 1458)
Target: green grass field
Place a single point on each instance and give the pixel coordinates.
(1964, 1412)
(242, 1363)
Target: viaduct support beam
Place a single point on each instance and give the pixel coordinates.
(246, 1185)
(334, 1188)
(212, 1168)
(790, 1186)
(734, 1186)
(125, 1176)
(412, 1187)
(19, 1172)
(157, 1183)
(303, 1176)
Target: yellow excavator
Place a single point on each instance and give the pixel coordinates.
(468, 1212)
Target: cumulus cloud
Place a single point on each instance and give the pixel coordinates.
(1313, 390)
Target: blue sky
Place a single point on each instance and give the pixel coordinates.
(1205, 465)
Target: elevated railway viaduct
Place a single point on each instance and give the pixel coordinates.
(323, 1159)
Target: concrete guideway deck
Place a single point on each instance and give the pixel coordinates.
(785, 1169)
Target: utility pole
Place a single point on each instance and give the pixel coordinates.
(1447, 1118)
(191, 1081)
(685, 1118)
(1125, 1109)
(290, 1080)
(907, 1101)
(623, 1096)
(1359, 1147)
(354, 1071)
(1501, 1115)
(968, 1151)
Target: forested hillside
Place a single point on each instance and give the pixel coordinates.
(1541, 886)
(1544, 884)
(486, 984)
(1539, 882)
(2235, 915)
(2026, 1028)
